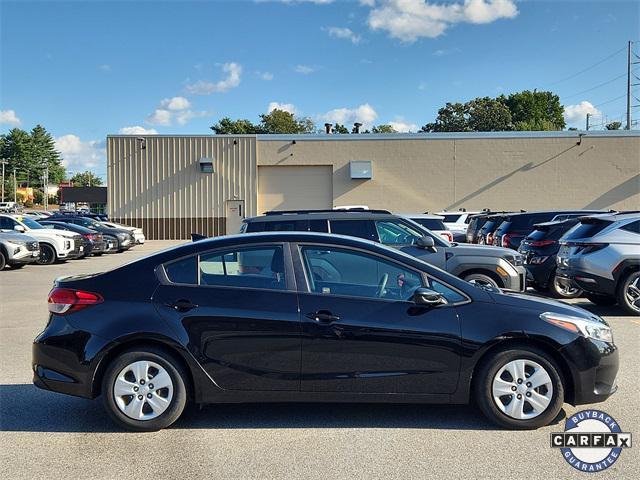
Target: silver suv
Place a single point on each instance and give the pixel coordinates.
(489, 267)
(17, 249)
(601, 255)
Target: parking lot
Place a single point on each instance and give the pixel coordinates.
(47, 434)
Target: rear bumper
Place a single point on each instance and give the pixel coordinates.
(586, 281)
(540, 275)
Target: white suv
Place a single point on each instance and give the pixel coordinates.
(55, 245)
(457, 223)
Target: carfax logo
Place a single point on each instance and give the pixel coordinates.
(592, 441)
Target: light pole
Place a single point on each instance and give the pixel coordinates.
(3, 162)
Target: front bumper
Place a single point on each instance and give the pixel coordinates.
(594, 366)
(586, 281)
(516, 278)
(24, 257)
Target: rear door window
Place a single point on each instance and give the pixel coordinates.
(354, 228)
(451, 218)
(633, 227)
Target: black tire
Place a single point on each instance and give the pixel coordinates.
(630, 282)
(3, 260)
(602, 300)
(556, 290)
(177, 402)
(17, 266)
(47, 255)
(483, 382)
(483, 278)
(99, 254)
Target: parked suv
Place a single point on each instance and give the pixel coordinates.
(539, 250)
(489, 267)
(55, 245)
(17, 249)
(120, 238)
(601, 255)
(516, 226)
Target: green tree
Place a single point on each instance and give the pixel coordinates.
(613, 126)
(44, 154)
(535, 110)
(340, 129)
(488, 115)
(86, 179)
(453, 117)
(280, 121)
(384, 128)
(226, 126)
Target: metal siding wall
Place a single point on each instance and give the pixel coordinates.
(162, 190)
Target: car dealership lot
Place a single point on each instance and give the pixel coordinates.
(43, 433)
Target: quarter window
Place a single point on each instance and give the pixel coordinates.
(335, 271)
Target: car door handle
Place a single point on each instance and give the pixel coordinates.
(323, 316)
(182, 305)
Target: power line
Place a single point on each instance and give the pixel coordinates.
(609, 101)
(595, 87)
(586, 69)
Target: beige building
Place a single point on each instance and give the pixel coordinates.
(175, 185)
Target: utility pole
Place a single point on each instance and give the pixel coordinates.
(629, 85)
(15, 187)
(588, 115)
(3, 162)
(45, 197)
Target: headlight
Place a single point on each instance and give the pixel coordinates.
(598, 330)
(515, 260)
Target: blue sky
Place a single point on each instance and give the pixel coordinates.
(87, 69)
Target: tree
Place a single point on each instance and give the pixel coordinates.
(44, 154)
(613, 126)
(535, 110)
(488, 115)
(86, 179)
(280, 121)
(226, 126)
(340, 129)
(384, 128)
(453, 117)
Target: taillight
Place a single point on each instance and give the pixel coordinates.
(67, 300)
(505, 240)
(587, 247)
(489, 238)
(542, 243)
(447, 235)
(89, 236)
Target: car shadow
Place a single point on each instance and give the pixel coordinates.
(25, 408)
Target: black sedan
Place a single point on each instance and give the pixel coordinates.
(292, 316)
(94, 244)
(119, 238)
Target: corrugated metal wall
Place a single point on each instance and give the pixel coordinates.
(160, 187)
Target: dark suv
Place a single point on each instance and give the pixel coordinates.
(539, 250)
(486, 266)
(516, 226)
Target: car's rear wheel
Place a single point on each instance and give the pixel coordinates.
(47, 255)
(482, 280)
(602, 300)
(629, 293)
(519, 388)
(144, 390)
(563, 290)
(3, 260)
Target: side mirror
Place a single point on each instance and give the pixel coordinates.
(425, 242)
(19, 228)
(428, 297)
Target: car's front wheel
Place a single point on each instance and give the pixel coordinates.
(519, 388)
(144, 390)
(629, 293)
(47, 255)
(482, 280)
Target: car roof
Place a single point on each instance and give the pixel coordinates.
(614, 217)
(319, 215)
(429, 216)
(557, 212)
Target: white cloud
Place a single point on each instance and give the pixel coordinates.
(344, 33)
(364, 114)
(232, 80)
(403, 127)
(304, 69)
(175, 103)
(409, 20)
(160, 116)
(577, 114)
(287, 107)
(9, 117)
(79, 155)
(184, 116)
(137, 130)
(265, 75)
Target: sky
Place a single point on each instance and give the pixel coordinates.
(86, 69)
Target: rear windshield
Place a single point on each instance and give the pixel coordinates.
(451, 218)
(586, 230)
(524, 222)
(491, 223)
(430, 223)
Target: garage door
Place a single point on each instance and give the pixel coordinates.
(291, 188)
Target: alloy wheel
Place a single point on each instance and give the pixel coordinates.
(565, 290)
(143, 390)
(522, 389)
(632, 293)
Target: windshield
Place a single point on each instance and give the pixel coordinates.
(32, 224)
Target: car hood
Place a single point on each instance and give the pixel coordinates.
(10, 236)
(541, 304)
(52, 231)
(481, 250)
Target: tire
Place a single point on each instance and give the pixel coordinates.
(16, 266)
(158, 363)
(47, 255)
(3, 260)
(494, 369)
(602, 300)
(558, 291)
(482, 279)
(628, 292)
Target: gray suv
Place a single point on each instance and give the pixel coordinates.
(490, 267)
(17, 249)
(601, 255)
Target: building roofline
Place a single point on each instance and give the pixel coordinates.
(410, 136)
